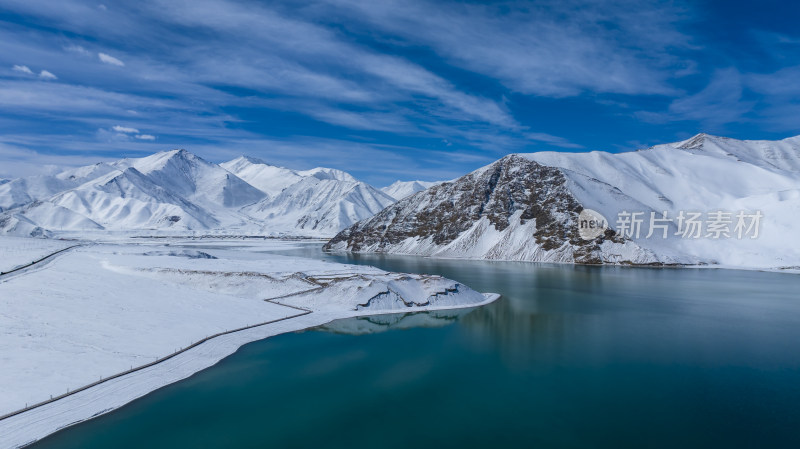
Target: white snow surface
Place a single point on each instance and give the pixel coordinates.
(103, 308)
(18, 251)
(178, 193)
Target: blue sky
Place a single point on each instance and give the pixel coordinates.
(387, 90)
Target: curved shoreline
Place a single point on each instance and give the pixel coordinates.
(27, 426)
(139, 368)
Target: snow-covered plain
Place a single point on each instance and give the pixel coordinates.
(103, 308)
(18, 251)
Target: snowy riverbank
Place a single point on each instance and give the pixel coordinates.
(99, 310)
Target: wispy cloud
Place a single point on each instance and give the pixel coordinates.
(124, 129)
(22, 69)
(732, 97)
(289, 61)
(308, 46)
(551, 48)
(108, 59)
(77, 49)
(719, 102)
(464, 80)
(780, 97)
(119, 134)
(45, 75)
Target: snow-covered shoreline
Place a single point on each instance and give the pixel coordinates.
(678, 266)
(30, 426)
(185, 297)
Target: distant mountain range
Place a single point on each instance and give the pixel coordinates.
(402, 189)
(177, 191)
(716, 194)
(699, 201)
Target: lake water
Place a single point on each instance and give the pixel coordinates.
(570, 357)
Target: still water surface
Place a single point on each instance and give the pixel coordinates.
(570, 357)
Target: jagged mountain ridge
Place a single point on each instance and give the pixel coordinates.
(496, 211)
(179, 191)
(317, 201)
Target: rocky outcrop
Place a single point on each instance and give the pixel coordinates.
(514, 209)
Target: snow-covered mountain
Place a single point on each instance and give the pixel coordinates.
(316, 202)
(528, 207)
(320, 206)
(272, 179)
(267, 178)
(179, 191)
(182, 173)
(168, 190)
(401, 189)
(328, 173)
(20, 191)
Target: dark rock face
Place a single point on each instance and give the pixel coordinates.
(512, 185)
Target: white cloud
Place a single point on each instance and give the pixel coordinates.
(45, 75)
(122, 133)
(22, 69)
(104, 135)
(125, 129)
(108, 59)
(77, 49)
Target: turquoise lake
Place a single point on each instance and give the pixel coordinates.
(569, 357)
